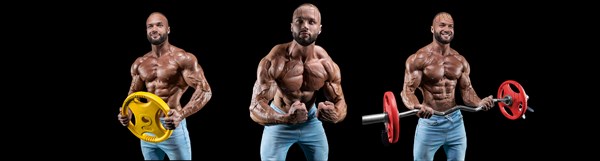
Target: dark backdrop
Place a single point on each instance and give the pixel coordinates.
(95, 43)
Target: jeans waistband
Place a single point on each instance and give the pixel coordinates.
(312, 112)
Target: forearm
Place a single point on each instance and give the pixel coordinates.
(196, 103)
(470, 98)
(412, 81)
(409, 99)
(263, 114)
(341, 109)
(260, 110)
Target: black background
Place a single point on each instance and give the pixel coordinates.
(88, 47)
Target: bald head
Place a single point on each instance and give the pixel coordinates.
(442, 17)
(307, 9)
(157, 17)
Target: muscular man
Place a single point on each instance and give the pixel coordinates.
(436, 70)
(168, 71)
(285, 93)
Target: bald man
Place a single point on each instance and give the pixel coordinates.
(168, 71)
(437, 70)
(284, 97)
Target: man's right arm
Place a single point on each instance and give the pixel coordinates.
(263, 92)
(412, 80)
(137, 84)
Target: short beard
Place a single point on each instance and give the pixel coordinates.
(304, 42)
(438, 37)
(160, 40)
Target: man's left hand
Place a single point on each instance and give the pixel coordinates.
(173, 119)
(487, 103)
(326, 112)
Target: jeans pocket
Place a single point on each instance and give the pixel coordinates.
(458, 118)
(430, 122)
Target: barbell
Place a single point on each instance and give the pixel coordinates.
(513, 105)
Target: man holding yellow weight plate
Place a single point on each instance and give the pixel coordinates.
(167, 72)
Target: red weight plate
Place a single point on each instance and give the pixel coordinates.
(393, 123)
(518, 98)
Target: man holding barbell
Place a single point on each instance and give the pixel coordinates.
(437, 70)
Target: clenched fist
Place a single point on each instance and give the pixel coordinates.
(297, 113)
(487, 103)
(424, 111)
(326, 112)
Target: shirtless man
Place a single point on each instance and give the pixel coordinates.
(436, 70)
(168, 71)
(285, 93)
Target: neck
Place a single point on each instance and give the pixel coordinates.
(161, 49)
(438, 46)
(299, 51)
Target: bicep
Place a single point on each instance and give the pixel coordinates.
(195, 78)
(465, 80)
(333, 88)
(137, 84)
(412, 74)
(265, 86)
(193, 74)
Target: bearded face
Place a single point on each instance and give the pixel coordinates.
(304, 38)
(443, 28)
(444, 37)
(156, 38)
(306, 25)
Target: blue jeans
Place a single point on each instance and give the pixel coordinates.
(447, 131)
(310, 135)
(176, 147)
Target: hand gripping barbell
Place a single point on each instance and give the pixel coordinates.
(515, 102)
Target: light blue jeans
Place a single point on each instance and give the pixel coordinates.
(176, 147)
(447, 131)
(310, 135)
